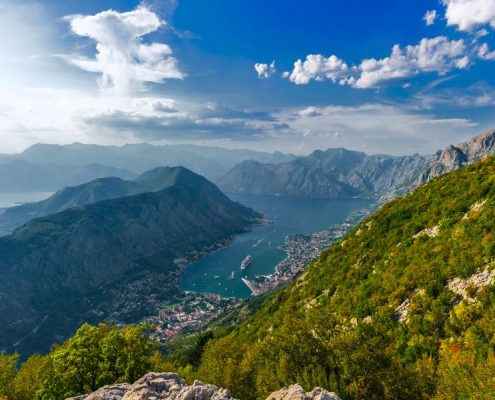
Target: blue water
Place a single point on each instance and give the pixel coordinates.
(289, 216)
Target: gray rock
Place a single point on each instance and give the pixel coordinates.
(159, 386)
(296, 392)
(162, 386)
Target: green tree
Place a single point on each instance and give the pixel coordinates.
(8, 371)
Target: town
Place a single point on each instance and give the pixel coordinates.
(191, 311)
(301, 249)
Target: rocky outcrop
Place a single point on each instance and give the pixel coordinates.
(296, 392)
(170, 386)
(455, 157)
(467, 288)
(159, 387)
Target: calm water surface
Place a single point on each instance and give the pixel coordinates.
(15, 199)
(289, 216)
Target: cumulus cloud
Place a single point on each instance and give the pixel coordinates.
(438, 54)
(431, 55)
(467, 14)
(122, 57)
(430, 17)
(318, 67)
(485, 53)
(264, 71)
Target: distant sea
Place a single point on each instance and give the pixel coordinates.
(16, 199)
(289, 216)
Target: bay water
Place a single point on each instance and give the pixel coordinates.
(220, 272)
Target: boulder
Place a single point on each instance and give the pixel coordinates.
(162, 386)
(296, 392)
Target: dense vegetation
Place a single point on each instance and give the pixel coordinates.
(337, 326)
(111, 260)
(95, 356)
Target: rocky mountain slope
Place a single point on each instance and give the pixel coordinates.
(115, 258)
(170, 386)
(402, 307)
(340, 173)
(333, 173)
(455, 157)
(22, 176)
(88, 193)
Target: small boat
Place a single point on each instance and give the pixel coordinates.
(246, 263)
(217, 277)
(232, 275)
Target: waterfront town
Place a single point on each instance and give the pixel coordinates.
(194, 309)
(186, 313)
(301, 250)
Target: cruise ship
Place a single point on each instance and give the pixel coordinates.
(246, 263)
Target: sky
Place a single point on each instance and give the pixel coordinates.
(392, 77)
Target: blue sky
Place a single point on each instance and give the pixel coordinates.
(183, 71)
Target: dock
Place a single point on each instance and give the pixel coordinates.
(251, 286)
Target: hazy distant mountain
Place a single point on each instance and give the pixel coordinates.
(340, 173)
(21, 176)
(207, 161)
(114, 258)
(334, 173)
(88, 193)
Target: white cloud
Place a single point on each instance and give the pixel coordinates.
(122, 58)
(467, 14)
(430, 17)
(381, 128)
(438, 55)
(264, 71)
(484, 52)
(318, 67)
(431, 55)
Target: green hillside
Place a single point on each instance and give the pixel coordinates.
(379, 314)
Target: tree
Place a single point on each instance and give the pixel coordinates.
(8, 371)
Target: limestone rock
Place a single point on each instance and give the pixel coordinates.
(296, 392)
(169, 386)
(159, 386)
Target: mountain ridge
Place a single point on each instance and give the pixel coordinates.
(341, 173)
(53, 266)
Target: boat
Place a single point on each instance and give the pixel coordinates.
(246, 263)
(217, 277)
(232, 275)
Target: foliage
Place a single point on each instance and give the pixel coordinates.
(336, 325)
(95, 356)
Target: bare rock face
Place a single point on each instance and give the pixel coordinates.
(296, 392)
(155, 386)
(455, 157)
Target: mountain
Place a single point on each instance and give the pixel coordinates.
(115, 259)
(403, 307)
(455, 157)
(88, 193)
(333, 173)
(340, 173)
(23, 176)
(207, 161)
